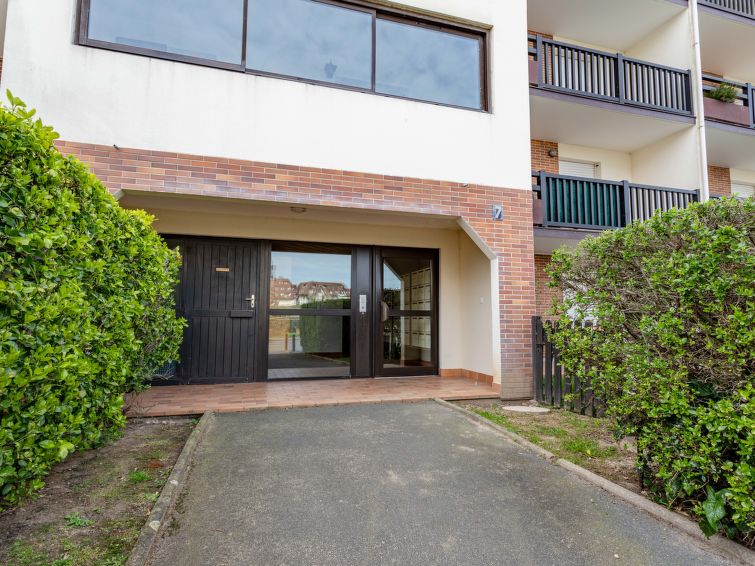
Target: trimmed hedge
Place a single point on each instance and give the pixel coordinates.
(672, 351)
(86, 305)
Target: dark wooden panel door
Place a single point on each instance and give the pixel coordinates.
(218, 298)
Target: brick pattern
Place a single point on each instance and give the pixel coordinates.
(545, 295)
(511, 239)
(228, 398)
(541, 161)
(719, 180)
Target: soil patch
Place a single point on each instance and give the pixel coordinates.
(95, 502)
(588, 442)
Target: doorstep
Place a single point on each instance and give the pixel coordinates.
(172, 400)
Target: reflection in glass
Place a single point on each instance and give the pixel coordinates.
(310, 40)
(310, 280)
(407, 342)
(428, 64)
(407, 283)
(196, 28)
(309, 346)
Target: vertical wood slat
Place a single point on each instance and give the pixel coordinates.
(537, 357)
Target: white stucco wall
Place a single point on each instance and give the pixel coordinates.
(103, 97)
(614, 165)
(671, 162)
(670, 44)
(742, 176)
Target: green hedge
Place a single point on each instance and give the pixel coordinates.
(672, 349)
(86, 305)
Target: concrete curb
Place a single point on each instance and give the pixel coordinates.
(142, 551)
(718, 544)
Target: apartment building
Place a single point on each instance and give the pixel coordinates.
(369, 188)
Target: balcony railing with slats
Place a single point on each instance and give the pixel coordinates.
(744, 8)
(596, 204)
(740, 112)
(609, 77)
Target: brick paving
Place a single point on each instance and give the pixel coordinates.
(171, 400)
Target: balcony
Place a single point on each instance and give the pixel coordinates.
(741, 112)
(740, 8)
(596, 204)
(607, 77)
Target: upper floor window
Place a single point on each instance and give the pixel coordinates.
(322, 41)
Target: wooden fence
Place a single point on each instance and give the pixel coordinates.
(553, 386)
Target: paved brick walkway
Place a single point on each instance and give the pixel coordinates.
(196, 399)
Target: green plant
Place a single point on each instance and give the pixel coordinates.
(86, 305)
(724, 92)
(138, 476)
(672, 351)
(152, 497)
(74, 520)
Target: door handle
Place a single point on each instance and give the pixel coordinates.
(251, 301)
(383, 311)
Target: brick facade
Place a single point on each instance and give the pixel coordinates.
(543, 293)
(719, 180)
(511, 239)
(541, 161)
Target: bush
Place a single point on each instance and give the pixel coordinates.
(672, 351)
(86, 305)
(724, 92)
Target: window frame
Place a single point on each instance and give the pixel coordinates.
(407, 17)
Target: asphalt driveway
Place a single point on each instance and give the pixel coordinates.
(397, 484)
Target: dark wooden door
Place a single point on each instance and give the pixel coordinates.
(218, 298)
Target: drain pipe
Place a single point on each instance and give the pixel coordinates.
(699, 99)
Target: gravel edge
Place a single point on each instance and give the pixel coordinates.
(142, 551)
(718, 544)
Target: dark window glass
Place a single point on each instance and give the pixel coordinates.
(305, 280)
(428, 64)
(195, 28)
(310, 40)
(309, 346)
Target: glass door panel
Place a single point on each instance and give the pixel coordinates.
(309, 321)
(407, 327)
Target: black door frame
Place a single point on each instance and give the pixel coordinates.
(185, 350)
(377, 348)
(366, 328)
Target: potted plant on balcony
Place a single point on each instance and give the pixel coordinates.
(720, 105)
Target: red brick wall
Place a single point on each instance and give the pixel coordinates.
(543, 293)
(719, 180)
(511, 239)
(541, 161)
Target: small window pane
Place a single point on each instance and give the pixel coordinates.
(195, 28)
(427, 64)
(310, 40)
(309, 346)
(303, 280)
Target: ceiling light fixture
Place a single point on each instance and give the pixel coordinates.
(298, 209)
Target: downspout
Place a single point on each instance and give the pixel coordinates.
(699, 99)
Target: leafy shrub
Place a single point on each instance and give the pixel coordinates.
(724, 92)
(86, 305)
(673, 351)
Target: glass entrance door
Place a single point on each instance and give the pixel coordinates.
(406, 322)
(309, 322)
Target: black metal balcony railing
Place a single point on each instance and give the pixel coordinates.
(609, 77)
(740, 112)
(744, 8)
(597, 204)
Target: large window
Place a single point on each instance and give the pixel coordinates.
(197, 29)
(322, 41)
